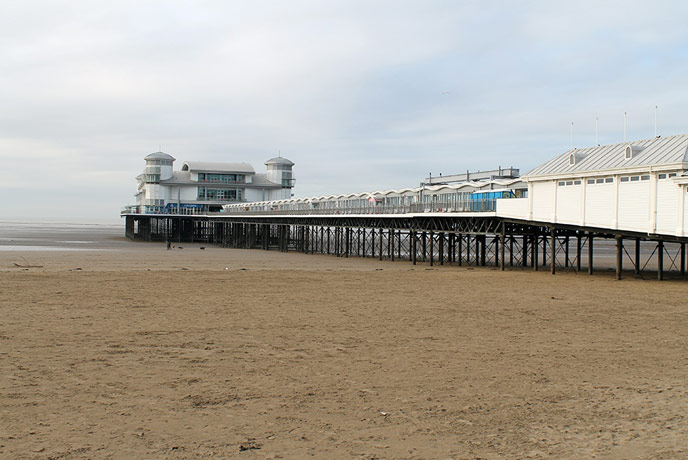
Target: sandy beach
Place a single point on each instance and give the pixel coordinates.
(119, 349)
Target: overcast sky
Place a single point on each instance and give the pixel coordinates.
(361, 95)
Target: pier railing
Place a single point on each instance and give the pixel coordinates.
(483, 205)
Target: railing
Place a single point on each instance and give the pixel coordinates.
(483, 205)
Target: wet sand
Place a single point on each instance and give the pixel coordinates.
(127, 351)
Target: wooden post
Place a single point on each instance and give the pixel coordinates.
(483, 250)
(544, 249)
(579, 246)
(534, 253)
(683, 259)
(660, 260)
(348, 241)
(619, 256)
(566, 251)
(424, 245)
(496, 242)
(412, 246)
(511, 250)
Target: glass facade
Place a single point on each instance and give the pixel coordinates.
(221, 178)
(211, 194)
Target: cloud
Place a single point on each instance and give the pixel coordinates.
(361, 95)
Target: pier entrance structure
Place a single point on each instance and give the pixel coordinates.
(628, 198)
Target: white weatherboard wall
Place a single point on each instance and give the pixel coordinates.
(569, 199)
(543, 200)
(668, 206)
(634, 206)
(599, 204)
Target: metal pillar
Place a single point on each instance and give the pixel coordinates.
(619, 256)
(553, 252)
(637, 257)
(660, 260)
(590, 253)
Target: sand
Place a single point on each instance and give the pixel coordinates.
(129, 351)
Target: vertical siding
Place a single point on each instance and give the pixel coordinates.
(634, 206)
(569, 202)
(668, 196)
(599, 205)
(543, 200)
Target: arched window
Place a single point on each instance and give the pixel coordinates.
(629, 152)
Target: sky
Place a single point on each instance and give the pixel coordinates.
(361, 95)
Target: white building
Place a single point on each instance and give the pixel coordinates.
(204, 187)
(637, 186)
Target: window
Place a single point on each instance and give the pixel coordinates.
(592, 181)
(577, 182)
(569, 182)
(629, 152)
(572, 159)
(624, 179)
(600, 181)
(609, 180)
(646, 177)
(561, 184)
(635, 178)
(662, 176)
(672, 174)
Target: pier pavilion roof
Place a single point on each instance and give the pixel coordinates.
(659, 151)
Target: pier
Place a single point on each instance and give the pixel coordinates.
(461, 239)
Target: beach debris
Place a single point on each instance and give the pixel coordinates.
(383, 413)
(226, 268)
(27, 266)
(202, 248)
(180, 247)
(77, 269)
(249, 444)
(183, 268)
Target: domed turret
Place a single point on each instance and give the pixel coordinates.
(158, 166)
(279, 172)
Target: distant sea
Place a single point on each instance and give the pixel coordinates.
(55, 236)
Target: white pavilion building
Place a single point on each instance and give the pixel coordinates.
(204, 186)
(637, 186)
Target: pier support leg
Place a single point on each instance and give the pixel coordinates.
(524, 248)
(380, 244)
(348, 241)
(590, 253)
(619, 256)
(432, 249)
(412, 245)
(566, 251)
(424, 245)
(579, 246)
(441, 248)
(483, 250)
(459, 249)
(501, 247)
(683, 259)
(660, 260)
(637, 257)
(534, 253)
(553, 250)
